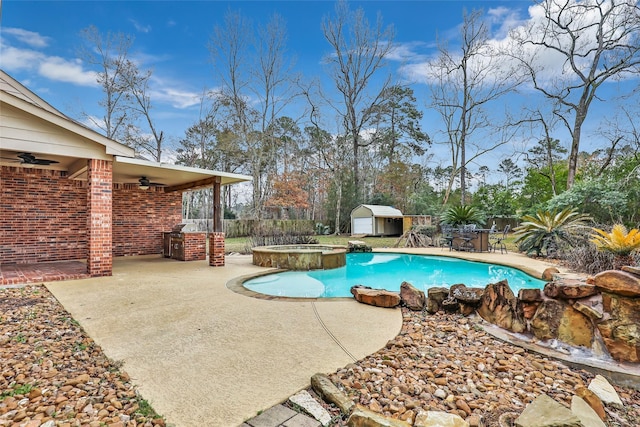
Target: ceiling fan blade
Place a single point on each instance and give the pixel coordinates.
(30, 159)
(44, 162)
(144, 182)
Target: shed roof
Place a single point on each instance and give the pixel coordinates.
(383, 211)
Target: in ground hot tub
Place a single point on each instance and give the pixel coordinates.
(300, 257)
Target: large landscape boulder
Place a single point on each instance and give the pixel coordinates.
(435, 297)
(438, 419)
(548, 273)
(469, 296)
(363, 417)
(631, 269)
(375, 297)
(544, 411)
(467, 299)
(558, 320)
(499, 306)
(528, 302)
(621, 331)
(412, 297)
(330, 393)
(617, 282)
(569, 290)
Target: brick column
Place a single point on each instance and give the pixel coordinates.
(216, 249)
(195, 246)
(99, 217)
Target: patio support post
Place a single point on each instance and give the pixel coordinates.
(99, 217)
(216, 239)
(217, 206)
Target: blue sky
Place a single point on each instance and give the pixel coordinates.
(40, 42)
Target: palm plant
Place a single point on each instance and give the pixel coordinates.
(545, 230)
(460, 215)
(619, 242)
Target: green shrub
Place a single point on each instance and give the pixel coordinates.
(545, 231)
(462, 215)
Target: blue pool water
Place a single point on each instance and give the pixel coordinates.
(388, 271)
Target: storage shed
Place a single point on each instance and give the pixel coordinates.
(376, 220)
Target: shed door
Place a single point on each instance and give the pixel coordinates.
(362, 226)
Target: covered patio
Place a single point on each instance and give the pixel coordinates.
(70, 194)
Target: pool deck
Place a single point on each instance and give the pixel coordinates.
(203, 354)
(531, 266)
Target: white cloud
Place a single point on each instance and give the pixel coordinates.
(176, 98)
(139, 27)
(14, 59)
(30, 38)
(52, 67)
(406, 51)
(64, 70)
(503, 20)
(551, 66)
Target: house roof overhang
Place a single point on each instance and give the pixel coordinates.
(31, 125)
(172, 177)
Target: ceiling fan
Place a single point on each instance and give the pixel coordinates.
(145, 183)
(30, 159)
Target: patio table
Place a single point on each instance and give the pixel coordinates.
(479, 240)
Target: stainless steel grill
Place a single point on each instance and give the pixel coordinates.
(174, 240)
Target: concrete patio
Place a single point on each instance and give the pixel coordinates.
(203, 354)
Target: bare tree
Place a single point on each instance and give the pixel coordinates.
(359, 52)
(594, 40)
(109, 53)
(623, 133)
(256, 86)
(137, 85)
(463, 85)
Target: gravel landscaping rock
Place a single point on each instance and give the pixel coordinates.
(445, 362)
(53, 374)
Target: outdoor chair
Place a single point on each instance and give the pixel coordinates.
(468, 236)
(446, 240)
(499, 242)
(493, 237)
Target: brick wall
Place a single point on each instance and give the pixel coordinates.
(216, 249)
(195, 246)
(140, 217)
(43, 216)
(99, 195)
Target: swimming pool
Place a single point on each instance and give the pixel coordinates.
(388, 271)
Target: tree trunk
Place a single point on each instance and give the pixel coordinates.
(338, 207)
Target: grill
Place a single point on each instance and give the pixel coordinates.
(174, 241)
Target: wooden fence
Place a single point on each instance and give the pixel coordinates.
(248, 227)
